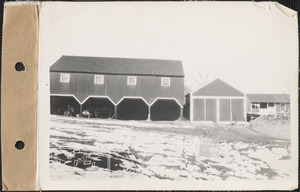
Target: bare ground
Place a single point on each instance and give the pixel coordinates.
(179, 150)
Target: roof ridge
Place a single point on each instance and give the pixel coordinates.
(112, 65)
(121, 58)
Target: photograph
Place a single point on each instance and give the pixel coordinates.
(167, 95)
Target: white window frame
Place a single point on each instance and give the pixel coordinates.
(165, 78)
(62, 78)
(128, 81)
(99, 76)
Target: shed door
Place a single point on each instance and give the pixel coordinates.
(198, 110)
(224, 110)
(211, 109)
(237, 106)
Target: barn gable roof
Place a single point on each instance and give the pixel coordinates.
(271, 98)
(128, 66)
(218, 88)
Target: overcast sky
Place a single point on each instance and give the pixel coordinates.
(250, 47)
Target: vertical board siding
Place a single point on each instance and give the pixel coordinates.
(211, 109)
(224, 108)
(199, 107)
(237, 106)
(115, 86)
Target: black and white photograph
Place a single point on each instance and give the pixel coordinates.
(167, 95)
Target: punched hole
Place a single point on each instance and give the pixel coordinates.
(20, 145)
(20, 66)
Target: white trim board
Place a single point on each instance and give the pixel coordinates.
(115, 104)
(131, 97)
(99, 96)
(166, 98)
(219, 97)
(81, 103)
(67, 95)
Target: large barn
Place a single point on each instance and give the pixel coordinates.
(217, 102)
(120, 88)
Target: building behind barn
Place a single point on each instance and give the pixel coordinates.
(217, 101)
(265, 104)
(120, 88)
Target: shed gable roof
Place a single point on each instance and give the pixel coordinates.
(271, 98)
(127, 66)
(218, 88)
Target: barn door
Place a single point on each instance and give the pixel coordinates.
(224, 110)
(237, 106)
(199, 110)
(211, 110)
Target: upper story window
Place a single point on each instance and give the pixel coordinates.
(131, 80)
(165, 81)
(99, 79)
(65, 77)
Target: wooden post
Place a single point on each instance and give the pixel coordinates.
(80, 110)
(149, 113)
(116, 117)
(181, 113)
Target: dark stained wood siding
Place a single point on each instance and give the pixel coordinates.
(186, 107)
(115, 86)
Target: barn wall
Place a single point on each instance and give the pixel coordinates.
(115, 86)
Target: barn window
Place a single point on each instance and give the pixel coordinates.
(99, 79)
(165, 81)
(271, 104)
(65, 77)
(131, 80)
(263, 105)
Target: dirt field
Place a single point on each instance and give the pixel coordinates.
(179, 150)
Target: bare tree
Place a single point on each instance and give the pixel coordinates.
(203, 77)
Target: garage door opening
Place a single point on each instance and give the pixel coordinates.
(60, 105)
(165, 110)
(99, 107)
(132, 109)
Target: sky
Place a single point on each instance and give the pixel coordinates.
(252, 47)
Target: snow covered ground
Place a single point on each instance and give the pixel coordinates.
(179, 150)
